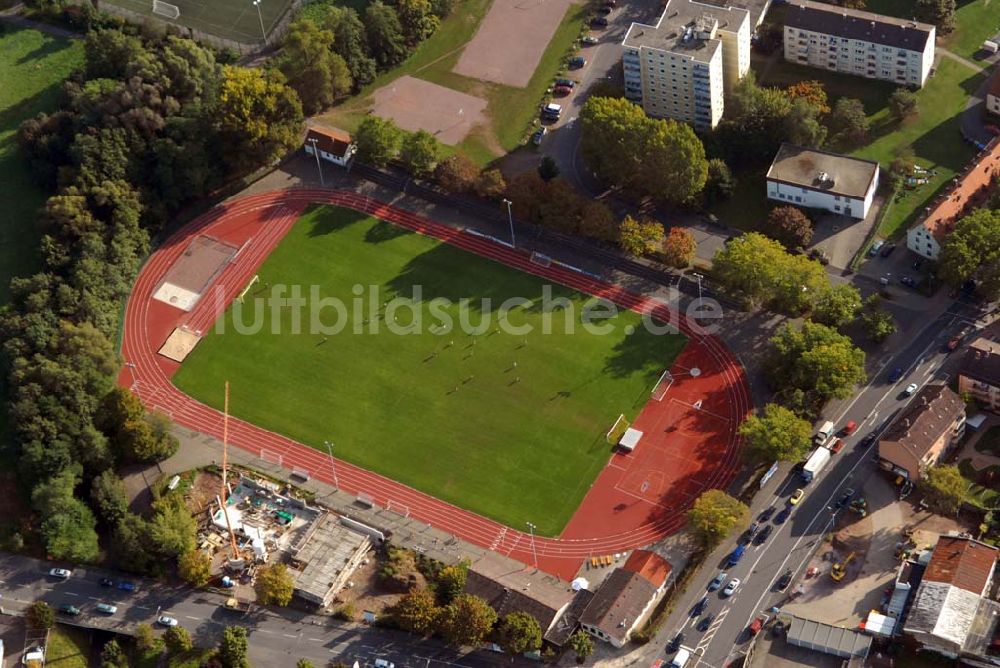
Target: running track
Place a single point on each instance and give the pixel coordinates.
(690, 445)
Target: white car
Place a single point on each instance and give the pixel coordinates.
(60, 573)
(731, 587)
(384, 663)
(910, 389)
(166, 620)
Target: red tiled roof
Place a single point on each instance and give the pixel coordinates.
(331, 140)
(940, 220)
(650, 566)
(961, 562)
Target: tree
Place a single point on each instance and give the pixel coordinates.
(716, 515)
(903, 104)
(877, 322)
(597, 221)
(107, 492)
(519, 632)
(378, 140)
(233, 648)
(803, 125)
(456, 173)
(304, 663)
(451, 582)
(350, 42)
(790, 226)
(108, 54)
(177, 639)
(837, 305)
(547, 168)
(720, 184)
(639, 237)
(815, 359)
(812, 92)
(416, 612)
(145, 639)
(418, 19)
(41, 616)
(679, 247)
(274, 585)
(490, 184)
(466, 621)
(68, 525)
(420, 152)
(972, 250)
(113, 656)
(195, 568)
(319, 75)
(259, 117)
(755, 123)
(581, 644)
(386, 42)
(776, 433)
(848, 122)
(944, 489)
(939, 12)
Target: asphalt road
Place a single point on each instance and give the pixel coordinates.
(275, 639)
(793, 542)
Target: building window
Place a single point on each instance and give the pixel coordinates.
(798, 199)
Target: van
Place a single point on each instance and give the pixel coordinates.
(735, 557)
(824, 433)
(681, 659)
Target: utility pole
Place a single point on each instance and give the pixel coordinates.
(510, 219)
(534, 554)
(225, 467)
(256, 3)
(333, 468)
(319, 169)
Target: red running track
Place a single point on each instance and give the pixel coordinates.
(690, 442)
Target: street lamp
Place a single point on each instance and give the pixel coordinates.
(256, 3)
(329, 448)
(698, 277)
(319, 169)
(531, 530)
(510, 219)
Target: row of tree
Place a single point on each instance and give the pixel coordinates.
(144, 127)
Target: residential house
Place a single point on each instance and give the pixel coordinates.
(979, 375)
(851, 41)
(682, 67)
(993, 94)
(970, 190)
(922, 433)
(333, 145)
(817, 179)
(951, 612)
(626, 597)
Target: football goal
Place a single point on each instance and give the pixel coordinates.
(166, 10)
(243, 293)
(662, 385)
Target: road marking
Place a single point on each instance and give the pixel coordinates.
(69, 593)
(142, 607)
(316, 639)
(264, 631)
(289, 635)
(190, 617)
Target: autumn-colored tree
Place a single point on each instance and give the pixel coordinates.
(456, 173)
(679, 247)
(490, 184)
(416, 612)
(811, 91)
(195, 567)
(790, 226)
(274, 585)
(638, 237)
(466, 621)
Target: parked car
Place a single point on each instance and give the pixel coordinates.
(106, 608)
(910, 389)
(838, 444)
(675, 643)
(166, 620)
(731, 588)
(908, 282)
(845, 498)
(569, 83)
(551, 111)
(699, 607)
(125, 585)
(764, 533)
(68, 609)
(384, 663)
(705, 622)
(797, 496)
(107, 582)
(876, 247)
(785, 580)
(781, 517)
(896, 375)
(599, 22)
(954, 341)
(590, 40)
(60, 573)
(562, 91)
(735, 556)
(717, 582)
(849, 428)
(576, 62)
(887, 250)
(536, 138)
(766, 514)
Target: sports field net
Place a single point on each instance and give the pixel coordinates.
(166, 9)
(662, 385)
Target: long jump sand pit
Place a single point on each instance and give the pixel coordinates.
(511, 40)
(415, 104)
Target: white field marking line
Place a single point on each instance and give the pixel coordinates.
(289, 635)
(190, 617)
(69, 593)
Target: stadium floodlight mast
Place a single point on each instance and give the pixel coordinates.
(319, 169)
(510, 219)
(256, 3)
(329, 448)
(531, 530)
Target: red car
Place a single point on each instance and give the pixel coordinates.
(837, 445)
(849, 428)
(954, 341)
(562, 91)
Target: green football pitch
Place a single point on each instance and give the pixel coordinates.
(231, 19)
(507, 424)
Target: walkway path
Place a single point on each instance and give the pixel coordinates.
(960, 59)
(12, 16)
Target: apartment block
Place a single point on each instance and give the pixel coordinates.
(682, 67)
(979, 375)
(860, 43)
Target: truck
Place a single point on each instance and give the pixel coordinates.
(817, 460)
(824, 433)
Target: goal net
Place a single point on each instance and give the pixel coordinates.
(166, 9)
(243, 293)
(617, 430)
(662, 385)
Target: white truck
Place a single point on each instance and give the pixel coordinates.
(817, 460)
(824, 433)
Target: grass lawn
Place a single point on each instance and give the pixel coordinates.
(511, 110)
(990, 442)
(975, 22)
(32, 67)
(502, 424)
(67, 648)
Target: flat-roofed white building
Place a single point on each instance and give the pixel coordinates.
(851, 41)
(816, 179)
(682, 67)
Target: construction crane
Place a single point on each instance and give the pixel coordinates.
(225, 470)
(839, 570)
